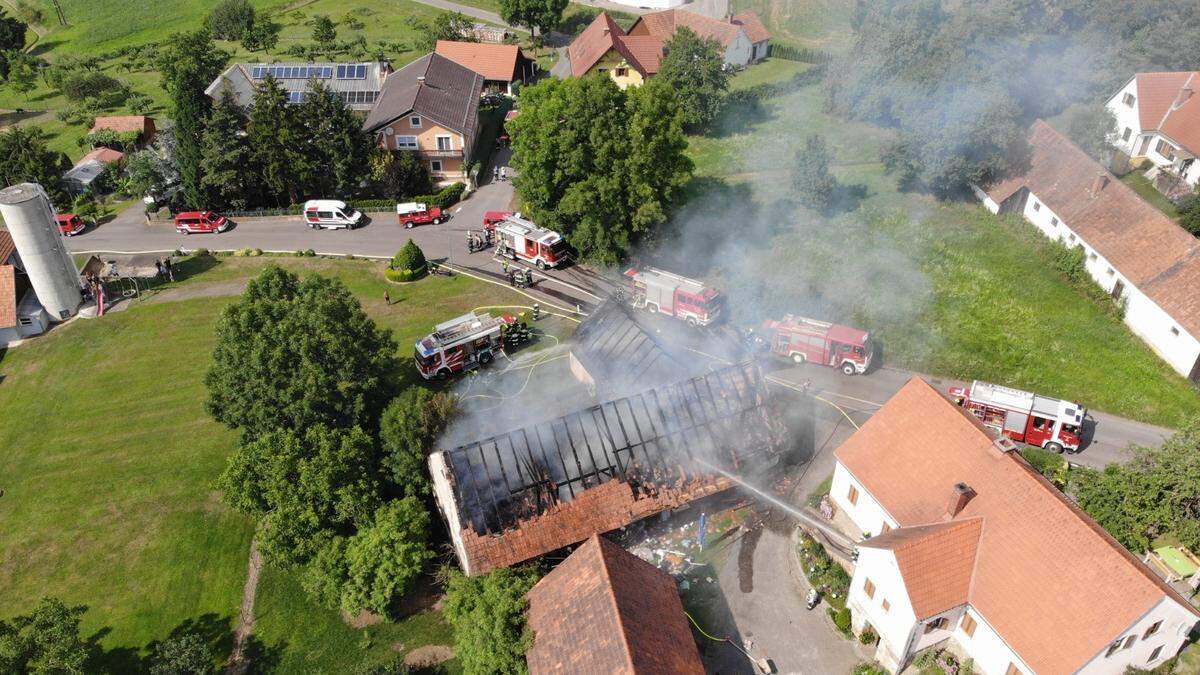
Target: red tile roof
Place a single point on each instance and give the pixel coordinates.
(755, 29)
(493, 62)
(936, 562)
(1149, 249)
(125, 123)
(8, 296)
(103, 155)
(604, 610)
(663, 25)
(1041, 563)
(1169, 102)
(604, 35)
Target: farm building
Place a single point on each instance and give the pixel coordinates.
(526, 492)
(604, 48)
(604, 610)
(1137, 254)
(971, 549)
(90, 167)
(500, 65)
(1158, 121)
(359, 84)
(743, 38)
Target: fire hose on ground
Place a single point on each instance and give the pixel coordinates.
(762, 664)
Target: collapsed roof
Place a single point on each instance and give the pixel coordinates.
(520, 494)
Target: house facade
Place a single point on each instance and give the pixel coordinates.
(734, 35)
(976, 552)
(1134, 252)
(604, 48)
(1158, 120)
(430, 107)
(358, 84)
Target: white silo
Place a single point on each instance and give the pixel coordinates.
(30, 220)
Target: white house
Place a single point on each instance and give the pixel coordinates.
(1135, 252)
(1158, 118)
(744, 38)
(978, 553)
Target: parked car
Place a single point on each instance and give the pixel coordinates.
(331, 214)
(202, 222)
(70, 224)
(416, 213)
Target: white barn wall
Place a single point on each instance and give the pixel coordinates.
(1177, 622)
(1127, 117)
(1142, 315)
(740, 50)
(895, 626)
(866, 513)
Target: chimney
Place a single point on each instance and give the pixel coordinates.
(1100, 183)
(958, 500)
(1004, 445)
(420, 79)
(1184, 94)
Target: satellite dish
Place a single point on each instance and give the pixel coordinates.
(388, 131)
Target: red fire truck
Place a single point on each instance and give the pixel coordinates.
(827, 344)
(518, 237)
(1049, 423)
(460, 344)
(686, 299)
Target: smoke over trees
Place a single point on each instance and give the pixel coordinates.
(961, 83)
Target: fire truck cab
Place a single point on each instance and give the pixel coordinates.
(460, 344)
(1049, 423)
(827, 344)
(661, 292)
(518, 237)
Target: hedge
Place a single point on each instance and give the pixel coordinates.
(801, 54)
(443, 198)
(405, 275)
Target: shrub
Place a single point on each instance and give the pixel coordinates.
(1189, 214)
(92, 84)
(231, 19)
(310, 253)
(201, 252)
(841, 619)
(868, 636)
(408, 263)
(871, 668)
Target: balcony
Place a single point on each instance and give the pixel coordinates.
(434, 154)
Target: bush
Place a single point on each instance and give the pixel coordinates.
(868, 636)
(408, 264)
(871, 668)
(403, 276)
(1051, 465)
(1189, 214)
(91, 84)
(231, 19)
(801, 54)
(201, 252)
(841, 619)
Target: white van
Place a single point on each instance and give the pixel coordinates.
(331, 214)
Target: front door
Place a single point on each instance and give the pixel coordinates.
(1145, 144)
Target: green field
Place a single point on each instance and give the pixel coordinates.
(818, 24)
(986, 301)
(109, 461)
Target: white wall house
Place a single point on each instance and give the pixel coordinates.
(1133, 251)
(975, 552)
(737, 36)
(1158, 118)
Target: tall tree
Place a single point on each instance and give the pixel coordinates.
(46, 640)
(186, 654)
(488, 616)
(264, 35)
(384, 559)
(225, 156)
(695, 69)
(278, 144)
(25, 156)
(231, 19)
(336, 142)
(658, 167)
(189, 63)
(12, 33)
(304, 487)
(410, 425)
(292, 353)
(324, 31)
(398, 173)
(536, 15)
(1092, 127)
(812, 182)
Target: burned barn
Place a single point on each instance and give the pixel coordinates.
(523, 493)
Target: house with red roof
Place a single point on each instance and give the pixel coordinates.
(604, 47)
(1158, 120)
(1138, 255)
(743, 38)
(969, 548)
(604, 610)
(500, 65)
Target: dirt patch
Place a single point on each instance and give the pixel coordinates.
(429, 655)
(214, 290)
(363, 619)
(398, 647)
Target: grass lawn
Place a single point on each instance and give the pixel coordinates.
(1146, 189)
(948, 289)
(109, 460)
(819, 24)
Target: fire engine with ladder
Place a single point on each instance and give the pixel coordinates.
(825, 344)
(1049, 423)
(519, 238)
(660, 292)
(467, 342)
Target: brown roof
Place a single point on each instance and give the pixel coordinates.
(1149, 249)
(1158, 95)
(663, 25)
(105, 155)
(124, 123)
(604, 610)
(936, 562)
(7, 247)
(8, 296)
(448, 95)
(1041, 563)
(755, 29)
(602, 36)
(493, 62)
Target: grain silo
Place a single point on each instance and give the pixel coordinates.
(30, 220)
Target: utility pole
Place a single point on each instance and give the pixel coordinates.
(62, 16)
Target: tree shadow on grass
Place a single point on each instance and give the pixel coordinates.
(214, 630)
(261, 657)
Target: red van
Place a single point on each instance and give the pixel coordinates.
(200, 221)
(70, 224)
